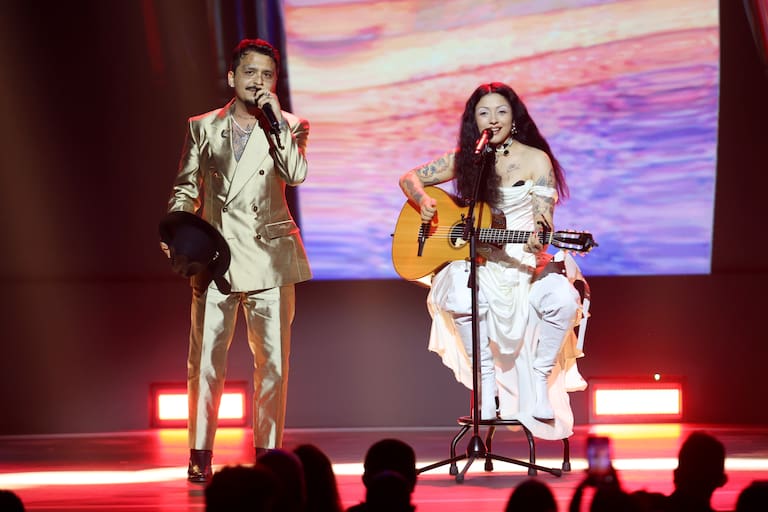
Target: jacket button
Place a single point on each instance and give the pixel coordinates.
(255, 208)
(225, 209)
(258, 237)
(261, 171)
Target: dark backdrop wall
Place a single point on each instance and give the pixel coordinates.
(94, 99)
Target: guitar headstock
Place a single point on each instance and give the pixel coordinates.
(577, 241)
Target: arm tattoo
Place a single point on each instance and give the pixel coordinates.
(547, 180)
(411, 191)
(430, 173)
(413, 182)
(543, 210)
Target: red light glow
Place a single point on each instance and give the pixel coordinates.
(622, 400)
(169, 405)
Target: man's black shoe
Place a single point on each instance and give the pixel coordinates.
(200, 470)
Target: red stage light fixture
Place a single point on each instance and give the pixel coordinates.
(168, 405)
(654, 399)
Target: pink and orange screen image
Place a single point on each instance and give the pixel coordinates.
(625, 92)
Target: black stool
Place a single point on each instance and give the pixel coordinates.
(466, 424)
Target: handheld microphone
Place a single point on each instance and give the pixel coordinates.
(269, 115)
(482, 142)
(274, 126)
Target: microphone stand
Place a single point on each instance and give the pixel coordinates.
(476, 448)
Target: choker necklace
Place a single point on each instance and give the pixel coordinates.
(503, 147)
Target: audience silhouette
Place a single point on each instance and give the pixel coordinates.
(754, 497)
(303, 480)
(291, 493)
(611, 498)
(10, 502)
(607, 491)
(320, 481)
(390, 455)
(531, 495)
(388, 491)
(700, 471)
(241, 489)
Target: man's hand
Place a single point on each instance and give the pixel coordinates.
(265, 96)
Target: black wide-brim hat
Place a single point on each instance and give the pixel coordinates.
(195, 245)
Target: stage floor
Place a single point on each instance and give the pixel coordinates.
(145, 471)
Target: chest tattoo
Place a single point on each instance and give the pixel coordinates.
(239, 140)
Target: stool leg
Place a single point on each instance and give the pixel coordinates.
(531, 451)
(454, 469)
(566, 455)
(488, 441)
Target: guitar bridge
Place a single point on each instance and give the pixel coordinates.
(423, 232)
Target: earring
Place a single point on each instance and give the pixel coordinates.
(514, 128)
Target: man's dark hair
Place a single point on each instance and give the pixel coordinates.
(533, 496)
(754, 497)
(701, 454)
(240, 488)
(701, 462)
(390, 455)
(254, 45)
(10, 501)
(292, 491)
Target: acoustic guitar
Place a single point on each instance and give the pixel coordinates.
(420, 249)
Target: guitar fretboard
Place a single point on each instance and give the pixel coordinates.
(510, 236)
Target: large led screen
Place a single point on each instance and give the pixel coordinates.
(626, 92)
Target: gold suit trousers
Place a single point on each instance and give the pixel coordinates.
(268, 315)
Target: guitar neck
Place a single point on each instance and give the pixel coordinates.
(510, 236)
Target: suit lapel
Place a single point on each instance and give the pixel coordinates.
(220, 137)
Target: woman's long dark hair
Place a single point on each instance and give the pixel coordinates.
(467, 163)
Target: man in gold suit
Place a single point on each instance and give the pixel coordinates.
(235, 165)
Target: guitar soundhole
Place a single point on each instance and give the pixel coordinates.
(457, 232)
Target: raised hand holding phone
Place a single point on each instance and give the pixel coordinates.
(600, 468)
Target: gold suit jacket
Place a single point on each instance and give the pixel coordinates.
(245, 200)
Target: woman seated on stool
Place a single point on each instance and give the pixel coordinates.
(526, 301)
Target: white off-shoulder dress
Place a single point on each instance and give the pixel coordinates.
(509, 319)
